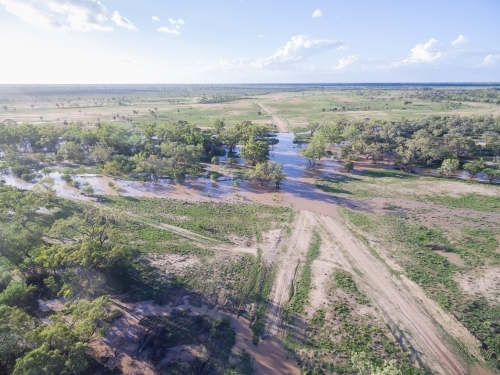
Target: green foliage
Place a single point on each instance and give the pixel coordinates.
(362, 365)
(303, 285)
(15, 324)
(449, 167)
(255, 151)
(348, 165)
(17, 294)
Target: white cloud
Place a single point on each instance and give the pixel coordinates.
(34, 13)
(79, 15)
(174, 30)
(168, 30)
(317, 13)
(155, 19)
(122, 21)
(298, 49)
(491, 60)
(176, 22)
(82, 15)
(261, 35)
(460, 40)
(345, 62)
(424, 53)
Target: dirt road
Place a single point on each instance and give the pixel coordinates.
(277, 120)
(401, 307)
(293, 251)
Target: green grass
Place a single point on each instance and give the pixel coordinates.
(215, 220)
(345, 281)
(303, 284)
(475, 202)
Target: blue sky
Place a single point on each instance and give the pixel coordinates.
(249, 41)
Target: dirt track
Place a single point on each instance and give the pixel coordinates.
(402, 307)
(293, 251)
(277, 120)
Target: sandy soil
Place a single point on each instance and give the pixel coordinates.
(486, 284)
(277, 120)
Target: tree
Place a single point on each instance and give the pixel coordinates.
(17, 294)
(112, 168)
(88, 190)
(219, 125)
(92, 223)
(45, 189)
(230, 138)
(277, 174)
(262, 172)
(449, 167)
(181, 158)
(474, 168)
(101, 153)
(492, 174)
(255, 151)
(15, 324)
(72, 151)
(315, 150)
(313, 126)
(62, 342)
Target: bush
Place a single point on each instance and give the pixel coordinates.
(215, 160)
(348, 165)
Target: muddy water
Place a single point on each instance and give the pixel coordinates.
(298, 191)
(451, 257)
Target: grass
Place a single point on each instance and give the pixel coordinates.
(345, 281)
(303, 285)
(474, 202)
(414, 244)
(216, 220)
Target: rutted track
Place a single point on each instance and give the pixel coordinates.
(398, 303)
(277, 120)
(292, 252)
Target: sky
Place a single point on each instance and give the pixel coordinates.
(248, 41)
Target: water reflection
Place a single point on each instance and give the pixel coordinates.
(297, 191)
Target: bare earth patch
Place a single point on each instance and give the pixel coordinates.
(486, 284)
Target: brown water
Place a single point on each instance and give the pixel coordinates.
(451, 257)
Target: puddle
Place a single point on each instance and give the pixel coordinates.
(451, 257)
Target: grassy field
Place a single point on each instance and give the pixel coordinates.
(130, 106)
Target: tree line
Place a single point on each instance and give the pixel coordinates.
(444, 142)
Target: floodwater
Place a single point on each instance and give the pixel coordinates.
(451, 257)
(298, 191)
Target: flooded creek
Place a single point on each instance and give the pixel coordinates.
(298, 191)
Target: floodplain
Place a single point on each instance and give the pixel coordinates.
(192, 262)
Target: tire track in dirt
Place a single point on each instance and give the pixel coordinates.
(294, 250)
(405, 311)
(277, 120)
